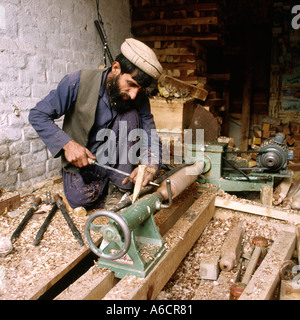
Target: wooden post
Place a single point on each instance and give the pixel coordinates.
(266, 195)
(247, 92)
(231, 249)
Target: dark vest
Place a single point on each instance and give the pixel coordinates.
(80, 118)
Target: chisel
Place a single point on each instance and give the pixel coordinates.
(94, 162)
(27, 217)
(45, 225)
(61, 206)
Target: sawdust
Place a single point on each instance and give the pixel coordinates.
(28, 268)
(186, 281)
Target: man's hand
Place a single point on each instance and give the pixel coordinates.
(76, 154)
(132, 178)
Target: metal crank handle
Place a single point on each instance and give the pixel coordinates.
(109, 233)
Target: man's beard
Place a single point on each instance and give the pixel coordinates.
(116, 98)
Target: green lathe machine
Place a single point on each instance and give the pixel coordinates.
(222, 170)
(131, 242)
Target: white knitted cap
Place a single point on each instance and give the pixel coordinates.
(142, 56)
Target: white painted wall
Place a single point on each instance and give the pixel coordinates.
(40, 42)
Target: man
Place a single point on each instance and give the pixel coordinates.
(95, 103)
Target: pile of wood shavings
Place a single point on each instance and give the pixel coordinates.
(186, 280)
(28, 268)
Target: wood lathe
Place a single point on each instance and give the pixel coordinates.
(131, 241)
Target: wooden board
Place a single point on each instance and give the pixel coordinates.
(270, 212)
(9, 202)
(266, 277)
(178, 241)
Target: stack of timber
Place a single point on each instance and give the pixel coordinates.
(178, 31)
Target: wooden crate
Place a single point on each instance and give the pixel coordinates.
(174, 114)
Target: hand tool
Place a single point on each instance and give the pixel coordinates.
(94, 162)
(29, 214)
(258, 254)
(45, 225)
(61, 206)
(139, 182)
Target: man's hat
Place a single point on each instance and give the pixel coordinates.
(142, 56)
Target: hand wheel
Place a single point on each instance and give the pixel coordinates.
(109, 232)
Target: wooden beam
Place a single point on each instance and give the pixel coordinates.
(138, 11)
(177, 22)
(266, 277)
(9, 202)
(298, 242)
(247, 93)
(93, 285)
(178, 241)
(196, 37)
(96, 282)
(269, 212)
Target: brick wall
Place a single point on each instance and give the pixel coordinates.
(40, 42)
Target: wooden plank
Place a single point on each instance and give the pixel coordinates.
(175, 51)
(298, 242)
(93, 285)
(266, 277)
(63, 270)
(176, 22)
(178, 241)
(9, 202)
(269, 212)
(138, 11)
(165, 219)
(170, 37)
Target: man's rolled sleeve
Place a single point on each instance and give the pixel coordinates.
(42, 117)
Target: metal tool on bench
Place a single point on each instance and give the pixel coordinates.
(57, 203)
(131, 241)
(94, 162)
(45, 225)
(272, 160)
(33, 207)
(61, 206)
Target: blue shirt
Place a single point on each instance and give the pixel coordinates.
(60, 100)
